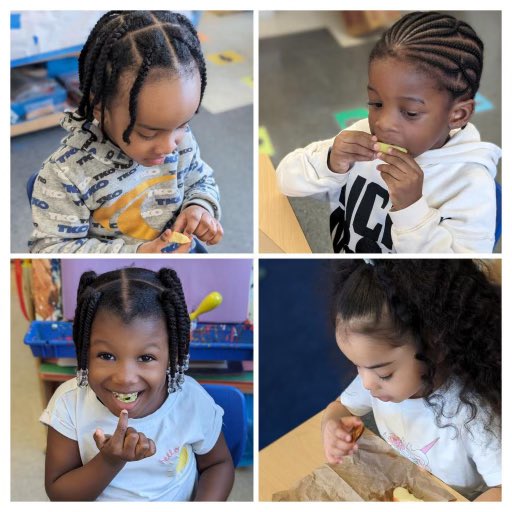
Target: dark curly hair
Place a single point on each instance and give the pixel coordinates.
(137, 41)
(131, 293)
(453, 312)
(441, 45)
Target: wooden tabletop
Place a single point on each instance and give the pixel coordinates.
(279, 229)
(297, 454)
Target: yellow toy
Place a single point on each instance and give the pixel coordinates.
(211, 301)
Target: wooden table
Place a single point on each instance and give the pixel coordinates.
(296, 454)
(279, 230)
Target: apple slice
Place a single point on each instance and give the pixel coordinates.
(383, 147)
(402, 494)
(179, 238)
(357, 432)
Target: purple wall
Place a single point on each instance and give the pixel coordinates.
(230, 277)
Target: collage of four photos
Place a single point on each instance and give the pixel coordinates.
(256, 256)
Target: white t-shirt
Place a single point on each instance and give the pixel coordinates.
(467, 462)
(189, 422)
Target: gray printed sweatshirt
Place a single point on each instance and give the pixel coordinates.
(89, 196)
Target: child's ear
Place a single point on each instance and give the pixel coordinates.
(461, 113)
(96, 111)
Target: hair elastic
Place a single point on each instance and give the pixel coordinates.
(82, 378)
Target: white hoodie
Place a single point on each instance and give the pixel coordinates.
(457, 212)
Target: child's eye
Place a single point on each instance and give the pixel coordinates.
(410, 114)
(145, 137)
(105, 356)
(146, 358)
(376, 104)
(386, 377)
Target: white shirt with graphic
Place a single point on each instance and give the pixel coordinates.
(457, 212)
(189, 422)
(467, 461)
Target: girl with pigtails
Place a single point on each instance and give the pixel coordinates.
(132, 426)
(425, 337)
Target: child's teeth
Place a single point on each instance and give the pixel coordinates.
(126, 398)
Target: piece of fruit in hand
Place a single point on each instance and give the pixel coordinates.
(357, 432)
(178, 238)
(383, 147)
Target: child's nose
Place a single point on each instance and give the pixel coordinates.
(386, 121)
(168, 144)
(124, 375)
(369, 380)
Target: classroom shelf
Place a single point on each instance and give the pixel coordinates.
(231, 342)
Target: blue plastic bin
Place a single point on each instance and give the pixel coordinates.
(232, 342)
(50, 339)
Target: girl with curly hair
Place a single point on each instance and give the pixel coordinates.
(425, 336)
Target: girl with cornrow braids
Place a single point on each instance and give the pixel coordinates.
(414, 177)
(132, 426)
(425, 337)
(129, 173)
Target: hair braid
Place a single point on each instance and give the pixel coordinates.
(86, 309)
(440, 43)
(170, 280)
(175, 34)
(168, 306)
(106, 18)
(85, 108)
(134, 94)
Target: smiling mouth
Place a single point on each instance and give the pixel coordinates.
(126, 398)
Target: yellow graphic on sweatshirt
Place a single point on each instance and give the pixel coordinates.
(130, 221)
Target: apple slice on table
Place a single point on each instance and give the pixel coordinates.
(402, 494)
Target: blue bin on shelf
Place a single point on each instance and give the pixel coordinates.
(50, 339)
(232, 342)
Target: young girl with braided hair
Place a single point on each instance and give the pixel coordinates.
(129, 172)
(425, 337)
(414, 177)
(132, 426)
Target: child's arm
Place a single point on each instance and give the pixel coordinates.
(492, 494)
(337, 425)
(323, 166)
(66, 479)
(216, 473)
(200, 212)
(199, 184)
(462, 220)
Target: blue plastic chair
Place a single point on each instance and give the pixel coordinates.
(30, 186)
(197, 246)
(497, 232)
(234, 425)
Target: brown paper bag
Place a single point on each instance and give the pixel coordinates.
(371, 474)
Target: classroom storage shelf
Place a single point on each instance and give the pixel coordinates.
(231, 341)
